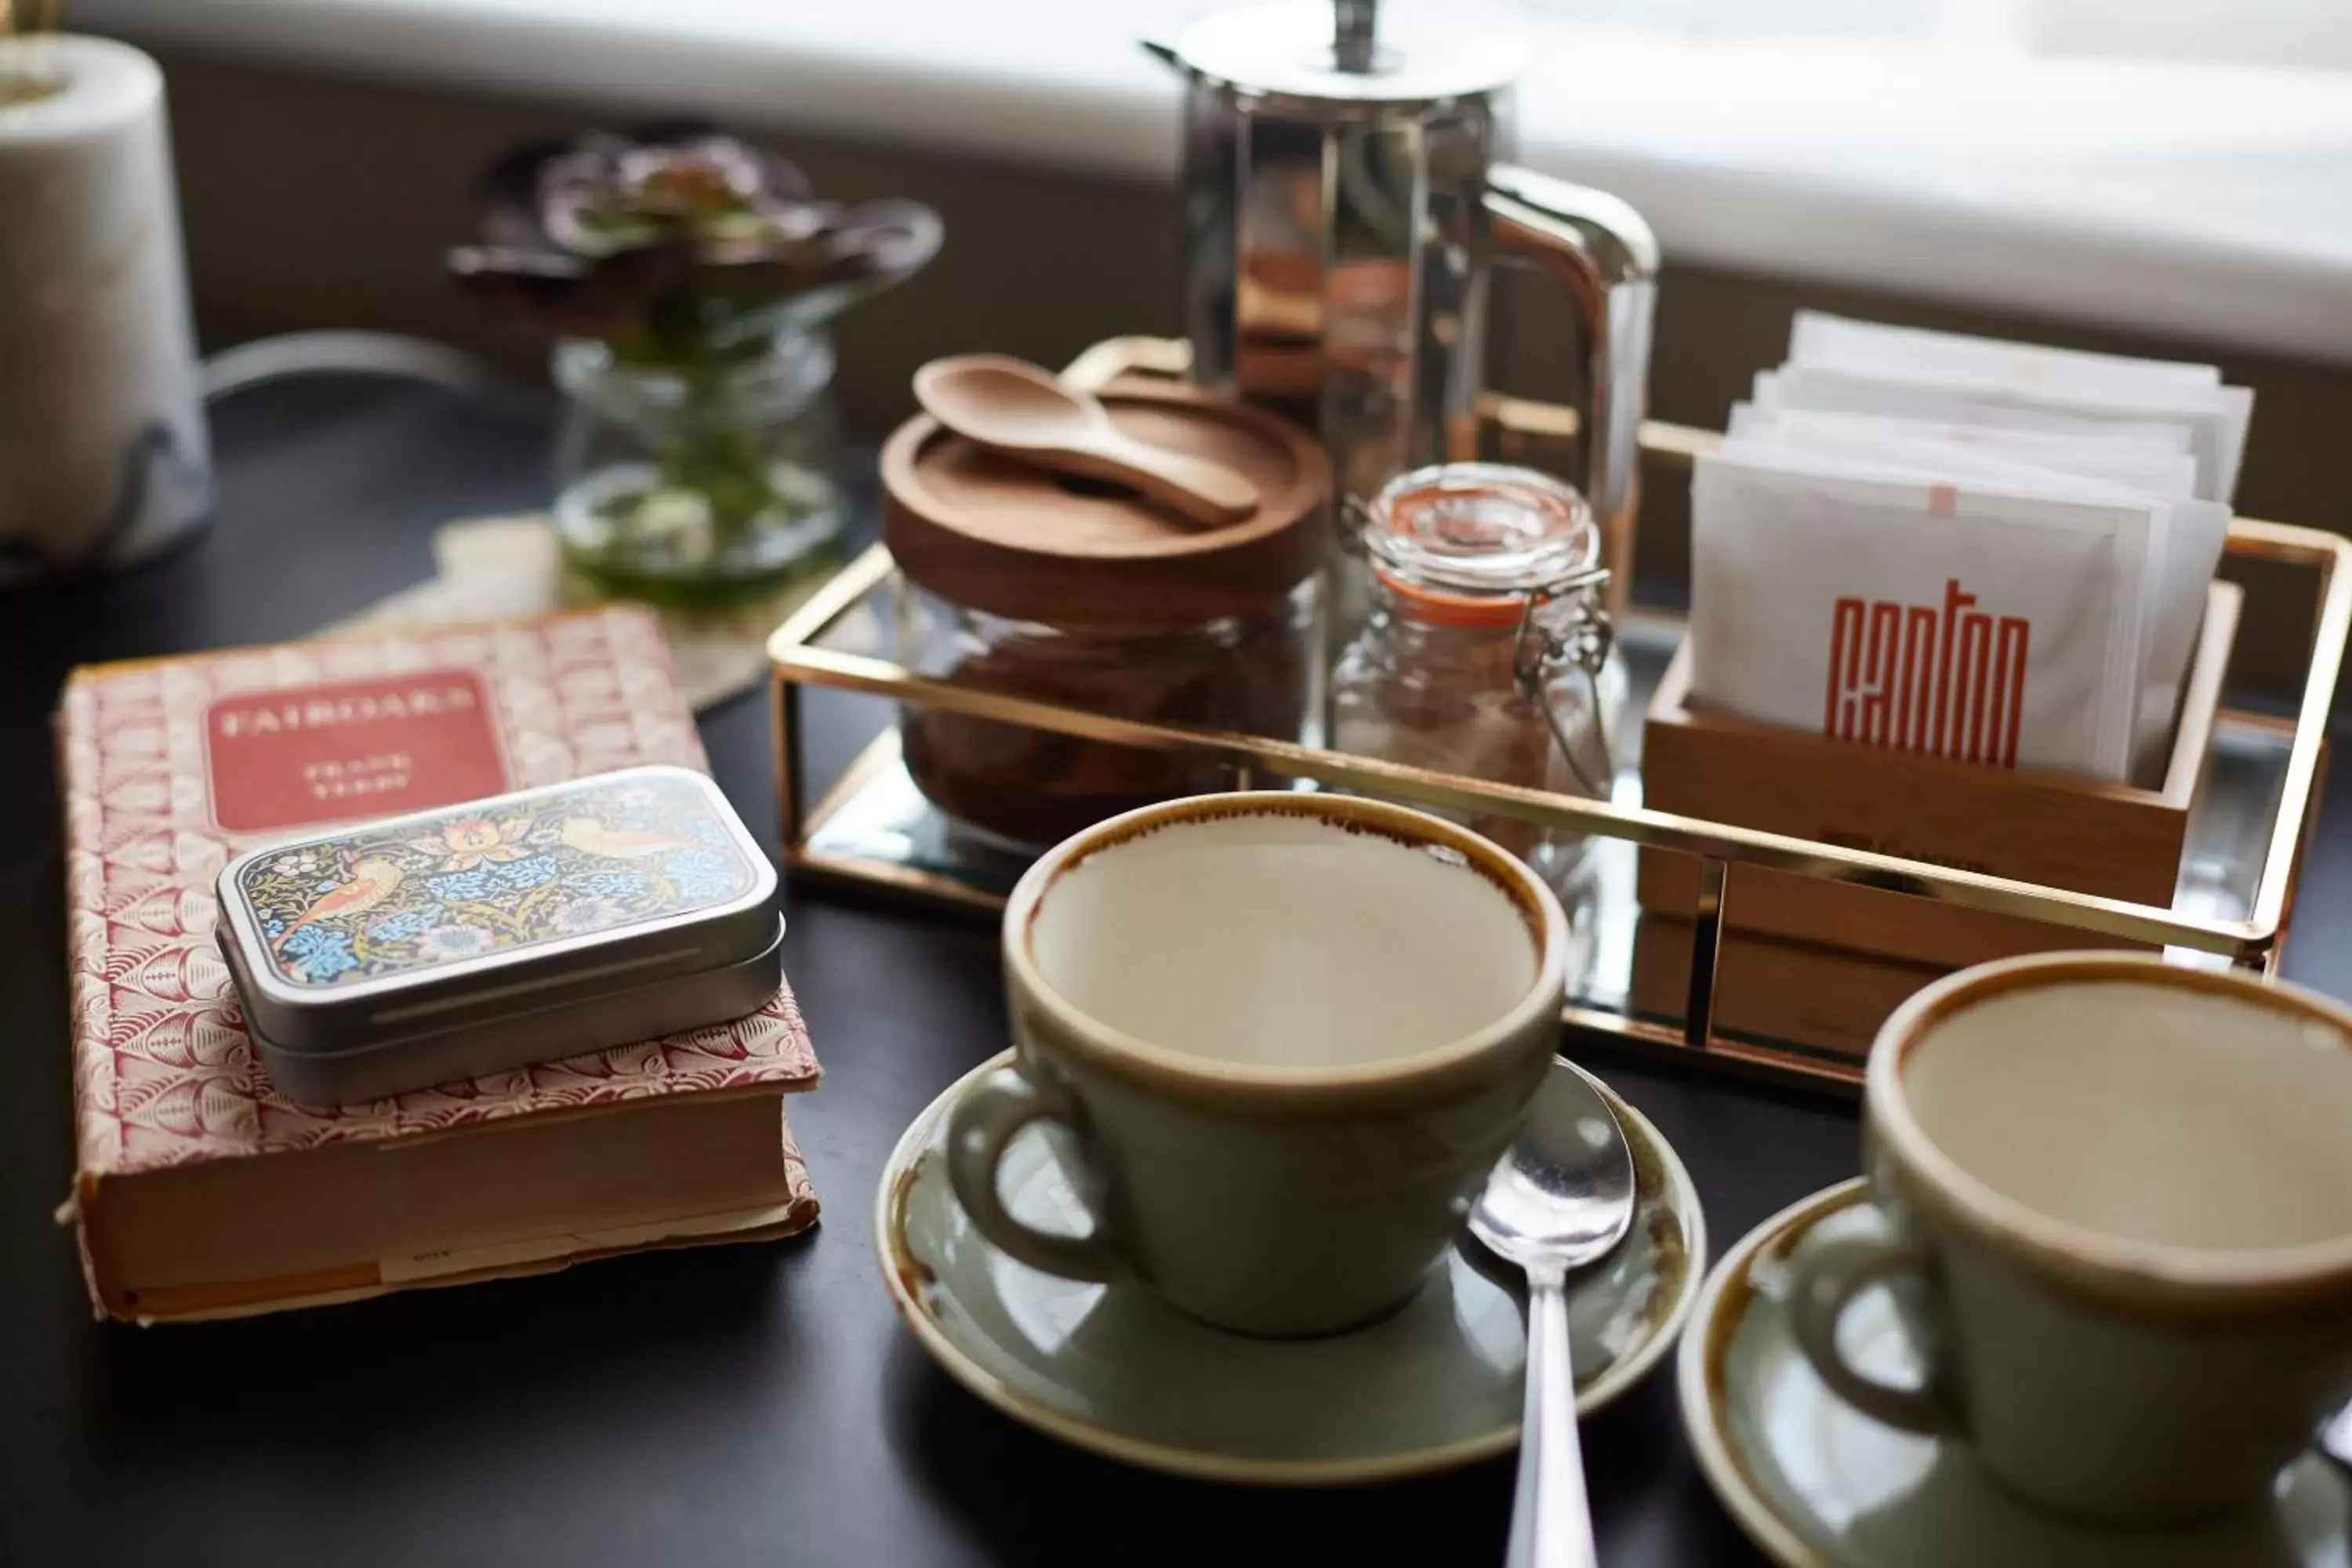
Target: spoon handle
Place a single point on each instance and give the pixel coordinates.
(1551, 1520)
(1205, 491)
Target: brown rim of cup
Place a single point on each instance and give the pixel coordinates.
(2147, 1278)
(1467, 1061)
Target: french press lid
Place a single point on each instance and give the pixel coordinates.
(1341, 52)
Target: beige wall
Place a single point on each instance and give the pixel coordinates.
(320, 203)
(325, 203)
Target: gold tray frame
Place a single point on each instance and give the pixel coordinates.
(797, 660)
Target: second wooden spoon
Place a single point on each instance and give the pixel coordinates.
(1014, 407)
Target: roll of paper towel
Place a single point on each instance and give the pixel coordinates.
(103, 456)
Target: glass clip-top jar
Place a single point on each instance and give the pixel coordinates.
(1488, 652)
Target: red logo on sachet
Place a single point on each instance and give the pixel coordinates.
(1948, 681)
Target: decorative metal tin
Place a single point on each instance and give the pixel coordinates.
(466, 940)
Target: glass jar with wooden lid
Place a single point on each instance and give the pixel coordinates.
(1083, 595)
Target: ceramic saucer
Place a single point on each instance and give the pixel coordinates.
(1113, 1369)
(1815, 1482)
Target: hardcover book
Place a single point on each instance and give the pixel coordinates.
(202, 1190)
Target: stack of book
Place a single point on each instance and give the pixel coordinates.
(202, 1190)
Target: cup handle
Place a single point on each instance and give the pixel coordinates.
(982, 1126)
(1824, 1277)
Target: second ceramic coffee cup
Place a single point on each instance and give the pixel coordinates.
(2118, 1207)
(1289, 1035)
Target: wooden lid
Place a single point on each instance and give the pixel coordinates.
(990, 533)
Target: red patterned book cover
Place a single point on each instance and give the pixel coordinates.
(172, 766)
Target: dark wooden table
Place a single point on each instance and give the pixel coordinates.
(736, 1406)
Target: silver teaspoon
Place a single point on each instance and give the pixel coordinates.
(1560, 1200)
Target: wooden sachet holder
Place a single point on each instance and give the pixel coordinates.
(2112, 840)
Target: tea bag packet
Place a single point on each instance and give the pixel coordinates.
(2186, 535)
(1960, 619)
(2150, 458)
(1858, 367)
(2214, 430)
(1885, 352)
(1992, 552)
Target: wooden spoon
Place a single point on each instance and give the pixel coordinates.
(1013, 407)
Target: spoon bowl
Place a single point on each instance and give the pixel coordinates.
(1564, 1194)
(1561, 1199)
(1021, 410)
(1006, 403)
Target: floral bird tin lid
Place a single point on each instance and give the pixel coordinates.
(540, 899)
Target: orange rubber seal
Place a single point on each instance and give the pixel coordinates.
(1437, 607)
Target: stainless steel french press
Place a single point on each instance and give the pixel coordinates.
(1345, 198)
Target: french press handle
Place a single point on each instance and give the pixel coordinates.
(1603, 255)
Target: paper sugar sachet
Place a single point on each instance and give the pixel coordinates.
(1876, 350)
(2153, 460)
(2186, 534)
(1956, 622)
(1864, 368)
(1995, 553)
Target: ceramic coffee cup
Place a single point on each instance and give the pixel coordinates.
(2117, 1198)
(1289, 1035)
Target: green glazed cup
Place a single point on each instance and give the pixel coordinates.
(2116, 1206)
(1288, 1034)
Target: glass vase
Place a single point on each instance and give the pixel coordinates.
(699, 486)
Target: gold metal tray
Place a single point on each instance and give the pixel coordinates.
(870, 826)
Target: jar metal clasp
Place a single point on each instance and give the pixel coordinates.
(1542, 648)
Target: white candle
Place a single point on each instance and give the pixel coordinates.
(103, 456)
